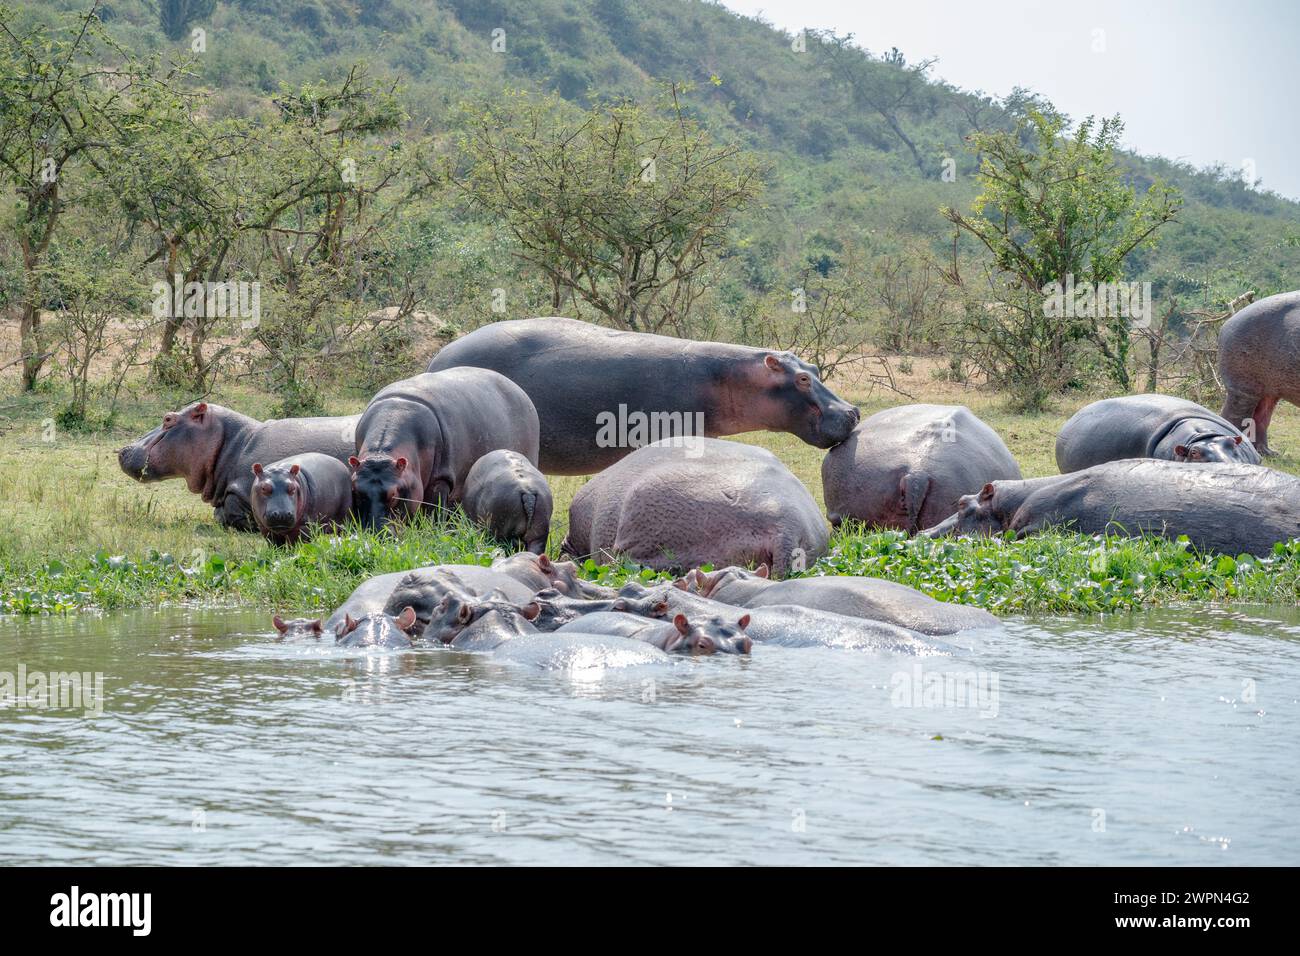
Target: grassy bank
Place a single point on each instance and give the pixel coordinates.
(76, 533)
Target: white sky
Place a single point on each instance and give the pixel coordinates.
(1195, 80)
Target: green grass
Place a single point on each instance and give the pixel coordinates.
(75, 533)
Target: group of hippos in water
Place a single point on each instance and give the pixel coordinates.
(514, 400)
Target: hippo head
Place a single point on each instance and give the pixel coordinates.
(704, 583)
(557, 609)
(277, 497)
(538, 571)
(376, 629)
(455, 612)
(299, 629)
(186, 444)
(1217, 448)
(422, 590)
(713, 636)
(792, 398)
(976, 514)
(382, 488)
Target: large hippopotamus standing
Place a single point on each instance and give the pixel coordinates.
(214, 449)
(683, 502)
(418, 438)
(906, 467)
(1259, 363)
(600, 393)
(1227, 507)
(1148, 426)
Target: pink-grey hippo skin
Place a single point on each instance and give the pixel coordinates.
(556, 609)
(696, 636)
(790, 625)
(419, 437)
(1259, 363)
(537, 571)
(293, 493)
(506, 494)
(870, 598)
(376, 629)
(1225, 507)
(906, 467)
(680, 503)
(1148, 426)
(214, 449)
(585, 380)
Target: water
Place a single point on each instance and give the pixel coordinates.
(1167, 738)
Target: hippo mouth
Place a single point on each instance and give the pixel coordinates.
(134, 458)
(944, 527)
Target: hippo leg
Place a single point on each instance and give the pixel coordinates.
(1243, 409)
(1264, 415)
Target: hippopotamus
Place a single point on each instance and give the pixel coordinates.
(679, 503)
(422, 588)
(376, 629)
(453, 620)
(556, 609)
(419, 437)
(214, 449)
(1147, 426)
(851, 595)
(506, 493)
(717, 634)
(538, 572)
(600, 393)
(790, 625)
(298, 629)
(906, 467)
(1228, 507)
(1259, 363)
(292, 493)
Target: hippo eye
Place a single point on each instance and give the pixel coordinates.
(291, 488)
(169, 420)
(804, 379)
(265, 489)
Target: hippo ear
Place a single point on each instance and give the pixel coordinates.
(406, 620)
(1236, 439)
(354, 462)
(683, 626)
(464, 613)
(763, 571)
(531, 610)
(659, 609)
(315, 626)
(200, 410)
(619, 605)
(294, 469)
(544, 562)
(744, 622)
(349, 625)
(986, 493)
(772, 362)
(280, 624)
(257, 469)
(400, 465)
(1180, 451)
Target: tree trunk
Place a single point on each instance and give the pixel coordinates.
(29, 336)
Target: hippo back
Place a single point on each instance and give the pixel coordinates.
(1131, 426)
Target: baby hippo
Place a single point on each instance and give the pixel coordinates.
(455, 618)
(506, 494)
(714, 636)
(376, 629)
(557, 609)
(292, 493)
(299, 629)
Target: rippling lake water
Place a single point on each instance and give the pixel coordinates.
(1168, 737)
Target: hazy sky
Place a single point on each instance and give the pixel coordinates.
(1196, 80)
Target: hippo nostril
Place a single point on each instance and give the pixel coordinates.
(744, 645)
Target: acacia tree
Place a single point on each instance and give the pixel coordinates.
(624, 208)
(1053, 205)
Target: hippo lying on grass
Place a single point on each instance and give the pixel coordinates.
(419, 437)
(1259, 363)
(292, 493)
(851, 595)
(1147, 426)
(793, 626)
(1230, 508)
(680, 503)
(601, 392)
(506, 494)
(906, 467)
(214, 449)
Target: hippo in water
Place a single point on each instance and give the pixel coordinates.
(697, 636)
(419, 437)
(600, 393)
(556, 609)
(1227, 507)
(537, 572)
(299, 629)
(376, 629)
(906, 467)
(292, 493)
(870, 598)
(214, 449)
(422, 588)
(506, 493)
(1148, 426)
(680, 503)
(1259, 363)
